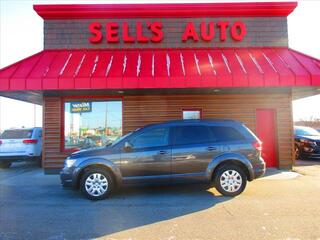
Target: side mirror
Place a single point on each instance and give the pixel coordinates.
(128, 147)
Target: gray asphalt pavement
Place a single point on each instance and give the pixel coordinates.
(34, 206)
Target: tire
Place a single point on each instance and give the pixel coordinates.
(39, 161)
(100, 180)
(238, 180)
(5, 164)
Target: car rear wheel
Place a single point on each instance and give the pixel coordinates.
(230, 180)
(96, 184)
(5, 164)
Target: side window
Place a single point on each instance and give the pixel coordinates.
(156, 137)
(191, 135)
(222, 134)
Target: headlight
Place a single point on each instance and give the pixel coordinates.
(308, 142)
(69, 162)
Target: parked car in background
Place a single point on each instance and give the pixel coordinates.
(95, 141)
(224, 153)
(20, 144)
(307, 143)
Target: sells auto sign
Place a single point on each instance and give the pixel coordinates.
(205, 31)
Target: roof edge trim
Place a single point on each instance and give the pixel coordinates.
(90, 11)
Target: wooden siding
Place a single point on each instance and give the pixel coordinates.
(52, 156)
(141, 110)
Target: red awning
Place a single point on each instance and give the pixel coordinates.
(161, 68)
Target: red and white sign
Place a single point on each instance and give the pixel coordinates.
(110, 32)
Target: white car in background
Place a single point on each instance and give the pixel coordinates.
(19, 145)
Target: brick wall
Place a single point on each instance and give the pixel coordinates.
(261, 31)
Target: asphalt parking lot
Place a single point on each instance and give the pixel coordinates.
(281, 206)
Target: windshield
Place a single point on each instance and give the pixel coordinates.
(306, 131)
(16, 134)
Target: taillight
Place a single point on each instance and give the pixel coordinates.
(257, 145)
(30, 141)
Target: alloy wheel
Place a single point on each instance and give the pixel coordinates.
(231, 181)
(96, 184)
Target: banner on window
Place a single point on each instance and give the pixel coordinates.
(80, 107)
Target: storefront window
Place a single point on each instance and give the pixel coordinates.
(191, 114)
(90, 124)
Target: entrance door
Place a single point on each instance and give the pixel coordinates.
(266, 131)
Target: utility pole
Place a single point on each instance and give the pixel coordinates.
(34, 115)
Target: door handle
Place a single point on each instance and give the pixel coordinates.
(162, 152)
(211, 148)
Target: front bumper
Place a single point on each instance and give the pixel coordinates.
(305, 155)
(67, 178)
(310, 152)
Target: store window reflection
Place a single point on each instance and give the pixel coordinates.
(91, 124)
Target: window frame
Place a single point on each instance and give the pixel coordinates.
(146, 130)
(81, 98)
(191, 125)
(191, 109)
(243, 137)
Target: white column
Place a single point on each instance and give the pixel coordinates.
(0, 114)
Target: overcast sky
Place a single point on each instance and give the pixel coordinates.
(21, 35)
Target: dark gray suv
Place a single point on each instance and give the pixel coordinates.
(223, 153)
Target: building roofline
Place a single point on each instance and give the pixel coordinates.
(165, 10)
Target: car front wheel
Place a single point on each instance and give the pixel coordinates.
(230, 180)
(96, 184)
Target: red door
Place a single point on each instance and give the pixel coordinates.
(266, 131)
